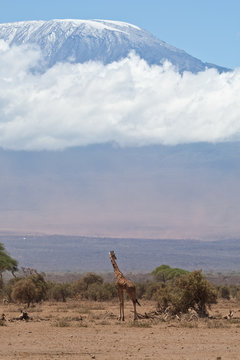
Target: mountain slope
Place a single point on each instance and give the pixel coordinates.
(97, 40)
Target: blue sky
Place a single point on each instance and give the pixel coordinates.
(207, 29)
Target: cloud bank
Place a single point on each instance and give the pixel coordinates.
(126, 102)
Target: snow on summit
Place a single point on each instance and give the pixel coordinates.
(106, 41)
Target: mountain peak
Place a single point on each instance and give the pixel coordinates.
(96, 40)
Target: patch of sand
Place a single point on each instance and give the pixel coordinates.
(90, 330)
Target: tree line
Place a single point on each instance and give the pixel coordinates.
(176, 288)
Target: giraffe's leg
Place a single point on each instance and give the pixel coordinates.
(123, 307)
(132, 296)
(120, 304)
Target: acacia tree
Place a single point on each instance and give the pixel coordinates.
(7, 263)
(165, 272)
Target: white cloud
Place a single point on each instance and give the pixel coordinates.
(128, 102)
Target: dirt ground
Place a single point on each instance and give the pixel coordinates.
(90, 330)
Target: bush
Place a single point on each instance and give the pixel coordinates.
(141, 290)
(59, 292)
(8, 287)
(165, 297)
(29, 290)
(81, 286)
(100, 292)
(41, 286)
(189, 291)
(24, 291)
(224, 292)
(235, 291)
(78, 287)
(151, 290)
(92, 278)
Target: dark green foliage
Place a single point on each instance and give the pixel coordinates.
(7, 263)
(189, 291)
(165, 272)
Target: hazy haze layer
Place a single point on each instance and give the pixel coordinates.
(184, 191)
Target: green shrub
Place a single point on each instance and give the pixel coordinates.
(100, 292)
(91, 287)
(189, 291)
(59, 292)
(7, 263)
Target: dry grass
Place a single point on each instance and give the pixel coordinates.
(140, 324)
(217, 324)
(78, 329)
(188, 324)
(62, 323)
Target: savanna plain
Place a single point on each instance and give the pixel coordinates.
(83, 329)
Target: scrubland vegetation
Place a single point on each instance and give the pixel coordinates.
(170, 288)
(173, 288)
(181, 311)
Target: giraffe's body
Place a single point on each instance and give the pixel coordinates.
(122, 285)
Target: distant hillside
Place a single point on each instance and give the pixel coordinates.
(66, 253)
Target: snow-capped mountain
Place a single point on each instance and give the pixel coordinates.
(97, 40)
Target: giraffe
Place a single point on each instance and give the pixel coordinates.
(122, 285)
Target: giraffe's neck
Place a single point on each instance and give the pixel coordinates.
(116, 268)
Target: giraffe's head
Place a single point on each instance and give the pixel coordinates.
(112, 255)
